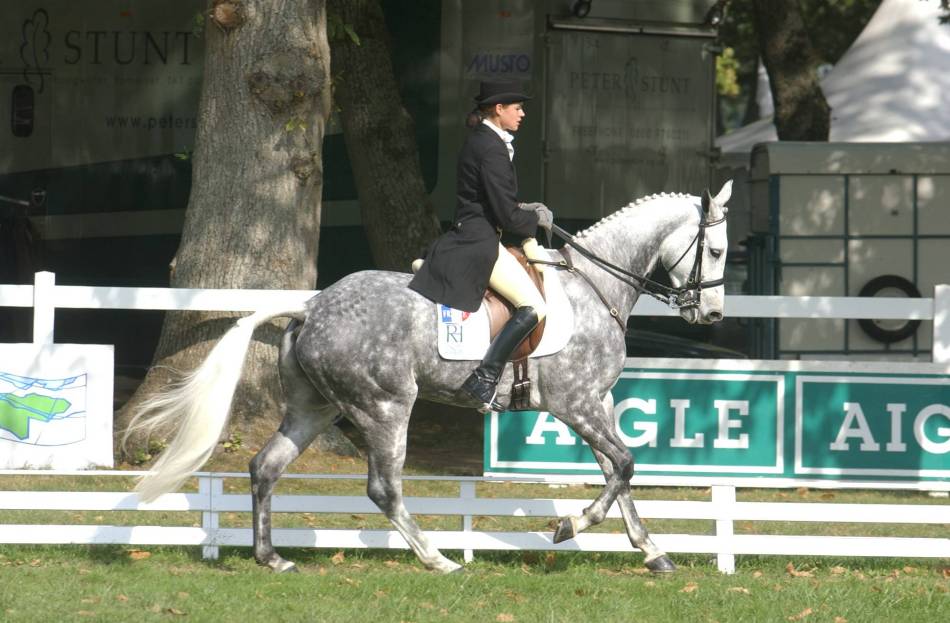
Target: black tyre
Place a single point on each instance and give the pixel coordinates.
(889, 331)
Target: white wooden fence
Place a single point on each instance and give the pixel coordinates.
(722, 508)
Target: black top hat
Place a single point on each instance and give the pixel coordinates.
(500, 92)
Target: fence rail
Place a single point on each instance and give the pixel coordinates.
(723, 509)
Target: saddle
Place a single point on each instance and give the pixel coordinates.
(499, 312)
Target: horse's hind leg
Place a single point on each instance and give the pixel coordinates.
(306, 414)
(385, 436)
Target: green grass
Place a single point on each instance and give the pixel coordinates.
(116, 583)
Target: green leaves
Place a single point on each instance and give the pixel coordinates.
(338, 30)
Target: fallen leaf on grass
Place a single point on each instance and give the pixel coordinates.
(550, 559)
(338, 557)
(379, 594)
(802, 491)
(838, 570)
(801, 615)
(504, 617)
(757, 574)
(946, 572)
(690, 587)
(790, 568)
(351, 582)
(175, 611)
(121, 597)
(739, 589)
(649, 583)
(910, 569)
(392, 564)
(137, 554)
(514, 596)
(841, 620)
(827, 496)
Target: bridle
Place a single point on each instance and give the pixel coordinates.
(688, 294)
(683, 297)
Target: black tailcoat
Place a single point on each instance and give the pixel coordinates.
(459, 262)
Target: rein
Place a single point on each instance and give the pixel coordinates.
(684, 296)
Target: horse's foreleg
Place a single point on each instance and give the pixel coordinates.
(596, 428)
(571, 526)
(387, 453)
(654, 558)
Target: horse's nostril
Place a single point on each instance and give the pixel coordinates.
(714, 316)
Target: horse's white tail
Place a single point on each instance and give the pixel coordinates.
(199, 406)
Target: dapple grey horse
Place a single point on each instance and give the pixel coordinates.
(366, 348)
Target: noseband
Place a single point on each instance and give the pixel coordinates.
(683, 297)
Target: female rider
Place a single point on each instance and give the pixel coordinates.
(462, 263)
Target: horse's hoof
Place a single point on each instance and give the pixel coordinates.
(285, 566)
(660, 565)
(566, 529)
(446, 567)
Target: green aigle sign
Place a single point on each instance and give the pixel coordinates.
(748, 419)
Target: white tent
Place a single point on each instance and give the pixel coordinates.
(892, 85)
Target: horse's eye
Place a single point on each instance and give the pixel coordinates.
(716, 253)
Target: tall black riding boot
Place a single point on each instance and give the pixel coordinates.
(482, 382)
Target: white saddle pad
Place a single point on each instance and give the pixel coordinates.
(465, 335)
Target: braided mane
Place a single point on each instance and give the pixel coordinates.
(626, 209)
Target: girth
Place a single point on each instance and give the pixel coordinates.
(500, 310)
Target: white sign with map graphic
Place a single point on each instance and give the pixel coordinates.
(55, 406)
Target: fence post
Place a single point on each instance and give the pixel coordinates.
(211, 487)
(44, 308)
(941, 341)
(724, 499)
(467, 492)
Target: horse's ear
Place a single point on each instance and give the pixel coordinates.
(705, 200)
(724, 194)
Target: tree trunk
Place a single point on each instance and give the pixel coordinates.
(801, 111)
(395, 209)
(253, 217)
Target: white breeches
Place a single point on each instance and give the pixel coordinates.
(511, 281)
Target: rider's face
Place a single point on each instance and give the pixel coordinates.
(509, 116)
